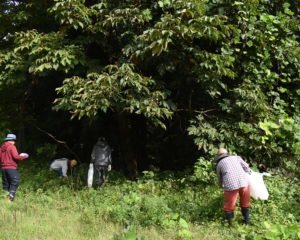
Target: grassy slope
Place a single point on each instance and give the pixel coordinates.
(32, 222)
(50, 208)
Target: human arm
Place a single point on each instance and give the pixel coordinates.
(15, 155)
(219, 175)
(109, 155)
(244, 165)
(93, 155)
(109, 158)
(64, 168)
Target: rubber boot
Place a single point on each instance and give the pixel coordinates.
(11, 197)
(229, 216)
(246, 215)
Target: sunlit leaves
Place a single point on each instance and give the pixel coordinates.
(39, 53)
(72, 13)
(127, 16)
(117, 88)
(258, 111)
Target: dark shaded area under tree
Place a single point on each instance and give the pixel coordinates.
(166, 82)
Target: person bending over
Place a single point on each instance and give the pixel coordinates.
(232, 176)
(62, 165)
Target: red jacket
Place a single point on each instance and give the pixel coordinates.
(8, 155)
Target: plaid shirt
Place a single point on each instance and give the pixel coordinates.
(232, 173)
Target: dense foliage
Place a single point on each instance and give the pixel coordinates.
(224, 72)
(166, 82)
(172, 203)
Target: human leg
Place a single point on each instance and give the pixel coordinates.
(14, 180)
(245, 203)
(104, 170)
(99, 175)
(230, 198)
(5, 180)
(246, 214)
(229, 215)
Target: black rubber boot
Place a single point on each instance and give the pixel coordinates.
(11, 196)
(229, 216)
(246, 215)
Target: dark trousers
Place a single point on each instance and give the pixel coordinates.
(99, 174)
(58, 171)
(10, 181)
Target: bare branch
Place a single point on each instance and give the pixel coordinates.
(195, 111)
(60, 142)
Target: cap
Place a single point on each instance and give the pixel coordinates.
(10, 137)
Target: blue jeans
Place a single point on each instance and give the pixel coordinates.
(10, 181)
(58, 171)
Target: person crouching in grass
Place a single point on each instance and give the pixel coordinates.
(62, 166)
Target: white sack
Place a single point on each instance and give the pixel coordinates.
(258, 189)
(90, 175)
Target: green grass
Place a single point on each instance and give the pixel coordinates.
(160, 207)
(36, 222)
(26, 219)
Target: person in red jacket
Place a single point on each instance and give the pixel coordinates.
(8, 157)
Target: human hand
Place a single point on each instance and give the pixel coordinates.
(109, 168)
(24, 155)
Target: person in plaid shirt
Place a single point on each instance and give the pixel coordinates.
(232, 176)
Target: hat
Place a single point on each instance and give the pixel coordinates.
(73, 163)
(222, 151)
(10, 137)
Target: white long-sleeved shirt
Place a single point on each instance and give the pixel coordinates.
(60, 163)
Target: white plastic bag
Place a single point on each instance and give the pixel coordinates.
(90, 175)
(258, 188)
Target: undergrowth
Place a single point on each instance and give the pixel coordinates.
(175, 205)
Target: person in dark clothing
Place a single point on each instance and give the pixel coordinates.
(10, 174)
(101, 159)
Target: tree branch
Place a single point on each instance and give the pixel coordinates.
(195, 111)
(60, 142)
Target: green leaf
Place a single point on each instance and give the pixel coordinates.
(160, 3)
(250, 43)
(289, 12)
(183, 223)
